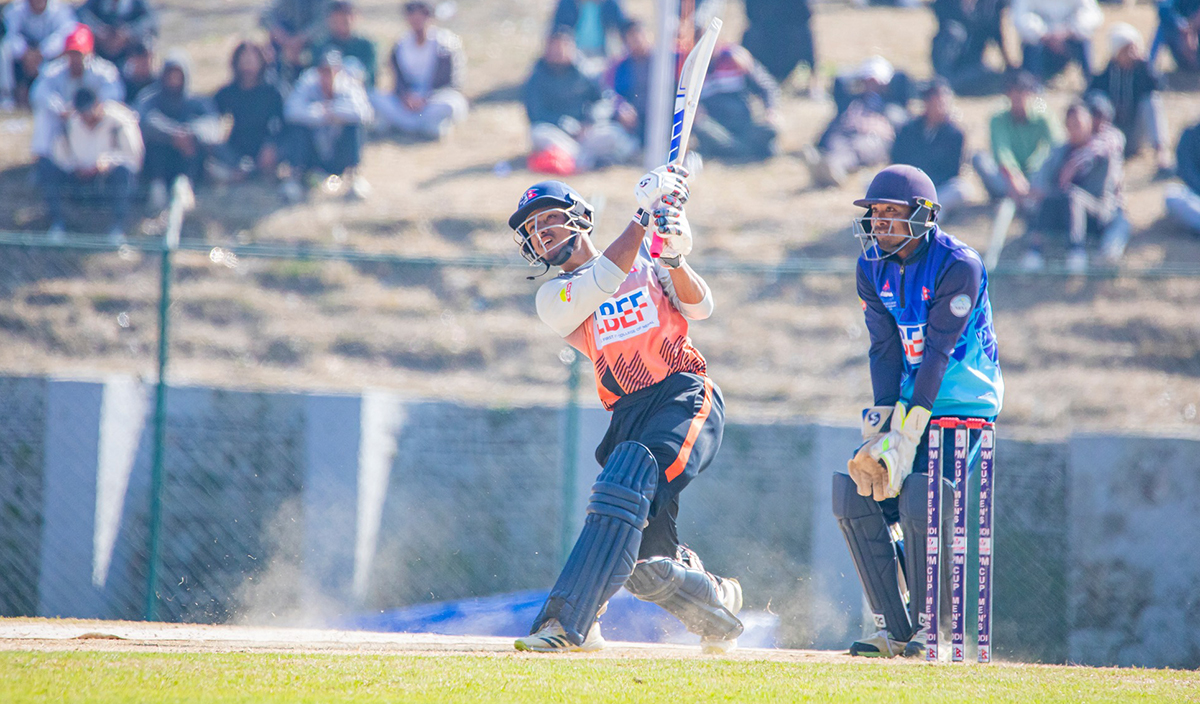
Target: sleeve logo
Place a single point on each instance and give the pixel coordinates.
(565, 294)
(625, 316)
(912, 337)
(960, 305)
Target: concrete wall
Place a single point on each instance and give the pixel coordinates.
(302, 508)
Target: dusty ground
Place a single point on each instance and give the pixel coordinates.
(124, 636)
(1089, 353)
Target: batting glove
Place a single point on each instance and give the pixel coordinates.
(664, 185)
(672, 226)
(898, 448)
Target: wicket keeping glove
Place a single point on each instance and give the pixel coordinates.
(898, 448)
(672, 226)
(666, 185)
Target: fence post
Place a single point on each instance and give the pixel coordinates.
(570, 453)
(170, 244)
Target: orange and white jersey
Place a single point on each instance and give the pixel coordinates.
(633, 327)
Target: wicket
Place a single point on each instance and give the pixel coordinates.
(958, 544)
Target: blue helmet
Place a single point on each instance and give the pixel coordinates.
(541, 198)
(898, 184)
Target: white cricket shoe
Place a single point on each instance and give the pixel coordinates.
(879, 645)
(551, 638)
(729, 590)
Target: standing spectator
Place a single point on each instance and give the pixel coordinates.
(1133, 87)
(294, 26)
(327, 114)
(54, 91)
(1179, 31)
(256, 107)
(178, 129)
(1022, 137)
(965, 28)
(590, 23)
(740, 100)
(862, 133)
(34, 34)
(120, 26)
(358, 52)
(779, 36)
(1056, 32)
(567, 129)
(1079, 192)
(1183, 200)
(629, 79)
(428, 65)
(99, 154)
(137, 73)
(933, 143)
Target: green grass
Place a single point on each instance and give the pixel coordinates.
(258, 677)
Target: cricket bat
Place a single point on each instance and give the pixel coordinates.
(687, 99)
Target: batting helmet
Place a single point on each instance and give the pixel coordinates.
(542, 198)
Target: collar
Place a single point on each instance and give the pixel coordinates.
(917, 253)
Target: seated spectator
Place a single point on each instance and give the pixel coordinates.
(256, 108)
(779, 36)
(862, 133)
(34, 34)
(590, 22)
(53, 93)
(327, 114)
(178, 128)
(1056, 32)
(933, 143)
(1183, 200)
(97, 156)
(1179, 31)
(738, 120)
(877, 76)
(120, 26)
(965, 29)
(1079, 192)
(294, 27)
(358, 52)
(568, 131)
(1133, 86)
(629, 79)
(1022, 137)
(137, 73)
(428, 66)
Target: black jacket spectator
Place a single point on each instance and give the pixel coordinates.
(177, 128)
(732, 125)
(938, 150)
(255, 105)
(965, 29)
(554, 92)
(1177, 31)
(1187, 155)
(1128, 89)
(779, 35)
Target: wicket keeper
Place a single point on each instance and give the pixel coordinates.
(629, 314)
(933, 354)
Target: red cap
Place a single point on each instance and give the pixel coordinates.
(80, 39)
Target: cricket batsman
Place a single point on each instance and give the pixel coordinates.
(629, 314)
(933, 354)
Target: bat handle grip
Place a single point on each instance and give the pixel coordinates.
(656, 246)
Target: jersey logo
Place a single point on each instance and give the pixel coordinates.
(565, 294)
(886, 290)
(622, 317)
(913, 339)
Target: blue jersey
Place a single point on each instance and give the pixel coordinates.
(932, 340)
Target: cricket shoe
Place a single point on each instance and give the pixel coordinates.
(551, 638)
(915, 648)
(729, 591)
(878, 645)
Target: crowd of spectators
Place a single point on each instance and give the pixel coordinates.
(109, 124)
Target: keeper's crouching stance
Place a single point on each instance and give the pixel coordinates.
(628, 313)
(933, 354)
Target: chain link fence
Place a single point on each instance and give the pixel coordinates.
(344, 433)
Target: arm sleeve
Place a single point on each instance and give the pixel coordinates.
(691, 311)
(301, 110)
(886, 353)
(564, 303)
(945, 328)
(130, 148)
(353, 105)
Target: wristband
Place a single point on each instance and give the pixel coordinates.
(642, 217)
(672, 262)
